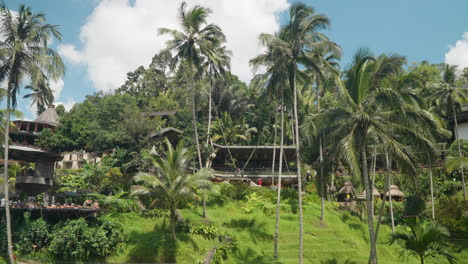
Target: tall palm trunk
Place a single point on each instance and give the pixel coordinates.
(173, 219)
(209, 113)
(384, 199)
(432, 187)
(195, 129)
(194, 116)
(278, 191)
(389, 164)
(274, 151)
(298, 164)
(5, 174)
(460, 154)
(322, 181)
(374, 160)
(370, 223)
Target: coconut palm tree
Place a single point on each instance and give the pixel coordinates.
(424, 240)
(273, 81)
(40, 95)
(367, 110)
(323, 67)
(171, 181)
(300, 35)
(193, 45)
(449, 98)
(215, 67)
(24, 53)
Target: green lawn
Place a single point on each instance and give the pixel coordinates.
(341, 239)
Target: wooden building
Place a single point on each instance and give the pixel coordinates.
(254, 163)
(23, 150)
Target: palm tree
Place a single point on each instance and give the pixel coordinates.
(450, 99)
(367, 110)
(424, 241)
(274, 81)
(215, 67)
(195, 43)
(172, 181)
(300, 35)
(323, 68)
(24, 52)
(41, 95)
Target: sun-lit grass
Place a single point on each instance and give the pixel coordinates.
(342, 238)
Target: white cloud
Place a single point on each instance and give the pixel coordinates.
(57, 87)
(118, 36)
(70, 53)
(458, 54)
(68, 104)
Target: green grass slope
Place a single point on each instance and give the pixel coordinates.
(342, 238)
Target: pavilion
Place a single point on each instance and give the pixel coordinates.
(23, 150)
(253, 163)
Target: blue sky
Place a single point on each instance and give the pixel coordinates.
(102, 40)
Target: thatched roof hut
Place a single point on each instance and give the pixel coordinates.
(49, 116)
(375, 193)
(347, 188)
(395, 192)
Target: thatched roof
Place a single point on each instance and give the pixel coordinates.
(251, 147)
(347, 188)
(159, 113)
(164, 131)
(49, 116)
(374, 192)
(395, 191)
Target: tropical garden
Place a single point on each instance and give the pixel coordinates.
(377, 122)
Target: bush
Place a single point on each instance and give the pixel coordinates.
(155, 213)
(76, 239)
(33, 236)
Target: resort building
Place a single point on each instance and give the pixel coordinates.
(76, 159)
(254, 163)
(39, 175)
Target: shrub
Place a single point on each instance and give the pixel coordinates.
(207, 231)
(33, 236)
(155, 213)
(76, 239)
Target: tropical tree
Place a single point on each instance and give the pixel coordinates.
(172, 182)
(423, 240)
(273, 81)
(367, 110)
(296, 38)
(215, 67)
(449, 98)
(40, 95)
(24, 53)
(193, 45)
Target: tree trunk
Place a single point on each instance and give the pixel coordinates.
(374, 160)
(173, 216)
(460, 154)
(389, 164)
(384, 199)
(274, 152)
(298, 164)
(5, 175)
(209, 113)
(365, 176)
(432, 188)
(194, 117)
(322, 183)
(422, 259)
(204, 203)
(278, 191)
